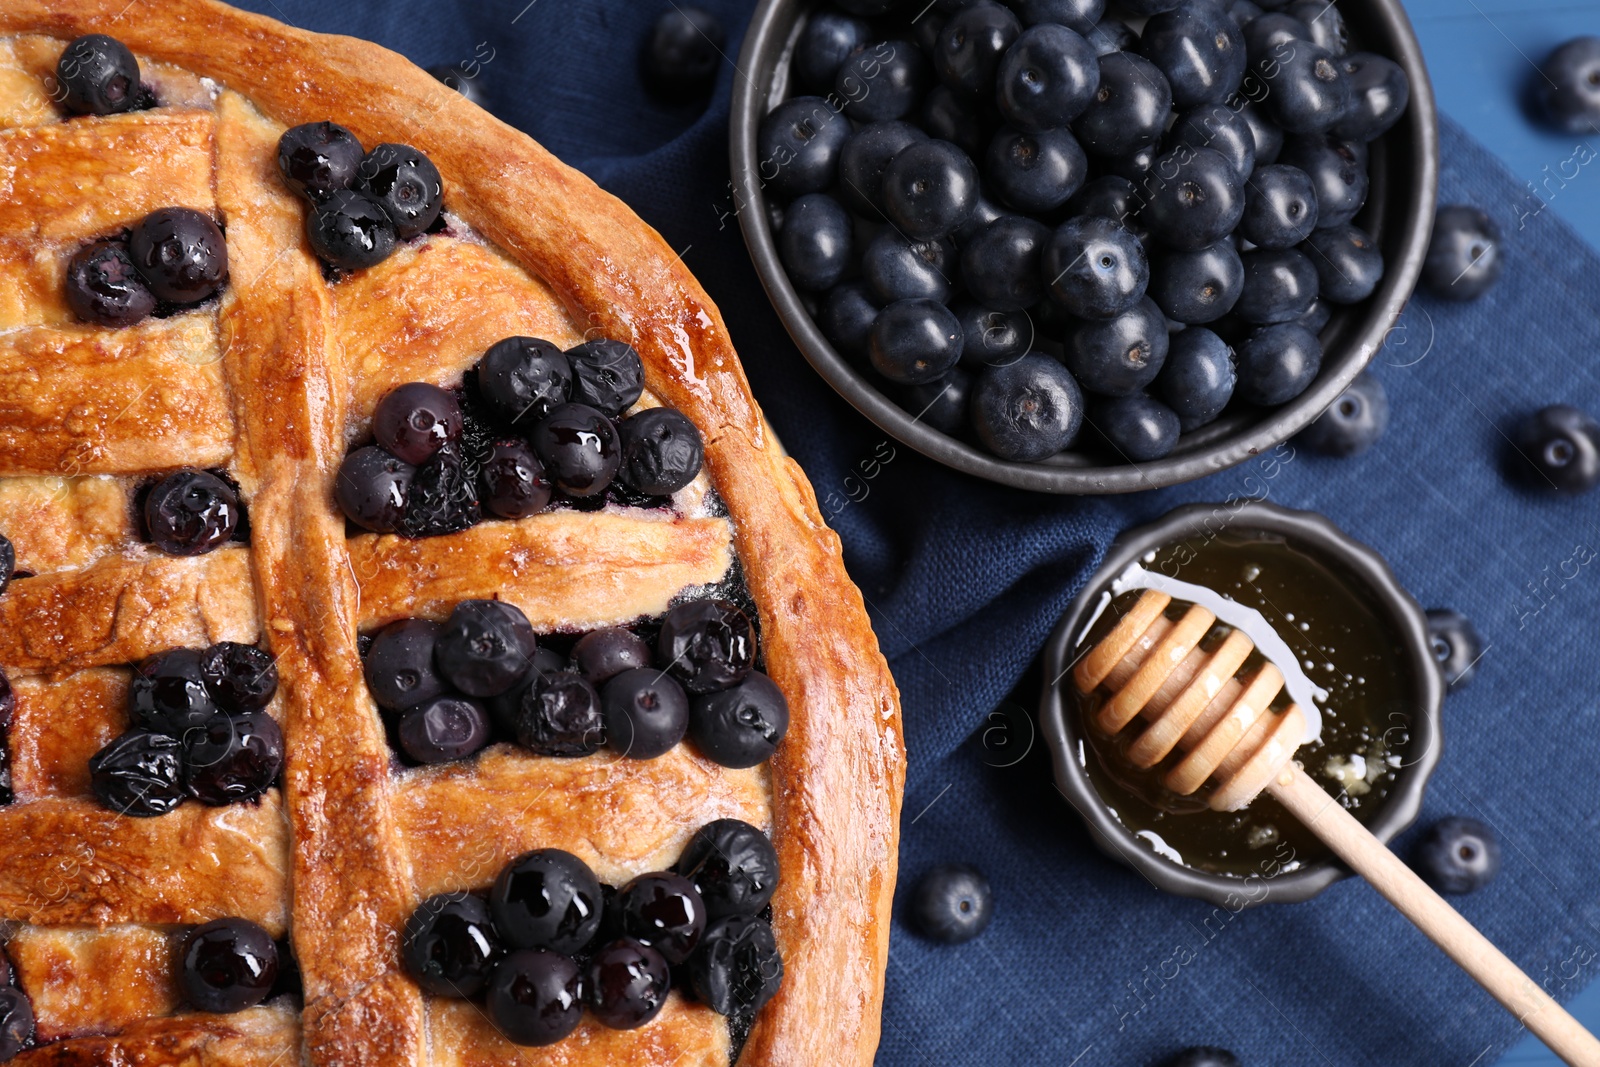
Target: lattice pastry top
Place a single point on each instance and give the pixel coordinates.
(269, 384)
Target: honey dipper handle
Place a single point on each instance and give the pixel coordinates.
(1445, 927)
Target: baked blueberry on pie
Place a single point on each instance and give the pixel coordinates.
(416, 649)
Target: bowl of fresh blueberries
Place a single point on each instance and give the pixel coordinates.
(1076, 248)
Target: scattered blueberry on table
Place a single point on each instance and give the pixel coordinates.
(1353, 422)
(951, 904)
(1568, 86)
(1103, 187)
(685, 47)
(1559, 448)
(1458, 855)
(1456, 646)
(1464, 254)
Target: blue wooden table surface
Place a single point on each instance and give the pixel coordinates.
(1482, 55)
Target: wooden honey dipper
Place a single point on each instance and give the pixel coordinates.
(1153, 668)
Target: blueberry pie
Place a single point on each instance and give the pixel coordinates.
(416, 648)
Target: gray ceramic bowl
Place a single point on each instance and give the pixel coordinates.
(1316, 536)
(1398, 214)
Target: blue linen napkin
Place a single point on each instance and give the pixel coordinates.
(1085, 963)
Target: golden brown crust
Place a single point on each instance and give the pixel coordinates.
(67, 861)
(836, 782)
(268, 1036)
(63, 523)
(57, 726)
(564, 569)
(685, 1034)
(64, 969)
(125, 608)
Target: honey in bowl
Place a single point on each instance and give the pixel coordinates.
(1342, 642)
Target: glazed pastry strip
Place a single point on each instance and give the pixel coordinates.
(565, 569)
(125, 608)
(265, 1036)
(685, 1034)
(352, 887)
(463, 822)
(64, 970)
(72, 861)
(57, 523)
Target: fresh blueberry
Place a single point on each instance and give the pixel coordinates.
(1456, 646)
(984, 212)
(1130, 107)
(1244, 12)
(484, 647)
(1338, 173)
(534, 997)
(991, 337)
(925, 31)
(1109, 197)
(350, 231)
(1027, 410)
(1118, 356)
(139, 773)
(684, 50)
(1279, 285)
(405, 183)
(103, 287)
(1280, 207)
(1351, 423)
(626, 984)
(1035, 172)
(98, 76)
(1222, 127)
(663, 910)
(733, 866)
(814, 244)
(1197, 287)
(578, 446)
(799, 144)
(929, 189)
(443, 497)
(413, 421)
(232, 759)
(951, 904)
(1458, 855)
(915, 341)
(372, 488)
(559, 715)
(168, 693)
(737, 968)
(318, 159)
(1316, 316)
(1197, 378)
(443, 729)
(1268, 137)
(826, 42)
(547, 899)
(898, 268)
(190, 512)
(455, 78)
(1195, 198)
(882, 81)
(1307, 90)
(1138, 428)
(228, 965)
(1136, 167)
(239, 677)
(399, 667)
(1200, 50)
(512, 482)
(965, 121)
(1111, 35)
(1464, 258)
(1276, 363)
(601, 655)
(1202, 1056)
(1095, 267)
(740, 726)
(1561, 447)
(451, 946)
(968, 50)
(646, 712)
(847, 315)
(1078, 15)
(606, 374)
(708, 645)
(1569, 86)
(864, 157)
(180, 253)
(1326, 24)
(1271, 39)
(661, 451)
(1001, 264)
(16, 1022)
(1046, 78)
(1379, 93)
(1348, 263)
(941, 404)
(522, 378)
